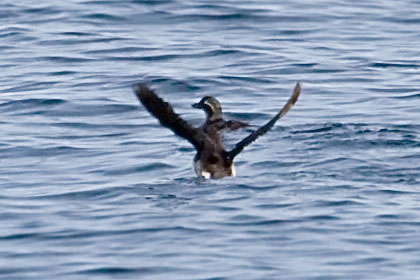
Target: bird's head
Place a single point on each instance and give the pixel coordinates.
(211, 106)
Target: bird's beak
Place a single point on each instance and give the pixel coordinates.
(197, 106)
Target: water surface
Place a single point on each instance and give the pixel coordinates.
(93, 188)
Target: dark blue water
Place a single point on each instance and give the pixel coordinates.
(93, 188)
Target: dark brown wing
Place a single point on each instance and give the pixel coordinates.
(222, 125)
(165, 114)
(235, 125)
(262, 130)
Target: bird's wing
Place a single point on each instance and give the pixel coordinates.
(165, 114)
(235, 125)
(263, 129)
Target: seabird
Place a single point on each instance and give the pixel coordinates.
(211, 161)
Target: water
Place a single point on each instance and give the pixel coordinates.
(93, 188)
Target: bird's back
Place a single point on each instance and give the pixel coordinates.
(212, 159)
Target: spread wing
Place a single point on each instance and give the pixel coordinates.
(165, 114)
(263, 129)
(235, 125)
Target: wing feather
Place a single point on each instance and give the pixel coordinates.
(263, 129)
(164, 112)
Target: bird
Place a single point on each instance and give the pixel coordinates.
(214, 115)
(212, 160)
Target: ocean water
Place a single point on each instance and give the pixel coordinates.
(92, 187)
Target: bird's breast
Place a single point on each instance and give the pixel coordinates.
(213, 171)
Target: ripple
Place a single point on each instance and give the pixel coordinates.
(65, 59)
(30, 103)
(147, 167)
(102, 16)
(124, 270)
(322, 217)
(338, 203)
(411, 96)
(396, 65)
(25, 151)
(106, 193)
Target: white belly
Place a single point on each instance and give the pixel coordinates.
(198, 168)
(233, 170)
(200, 172)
